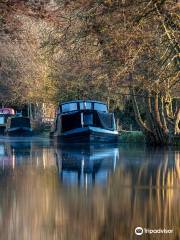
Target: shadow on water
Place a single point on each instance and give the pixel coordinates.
(87, 192)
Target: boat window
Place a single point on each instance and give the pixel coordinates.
(68, 107)
(88, 119)
(100, 107)
(85, 105)
(1, 120)
(70, 121)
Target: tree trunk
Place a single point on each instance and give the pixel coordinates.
(177, 122)
(160, 124)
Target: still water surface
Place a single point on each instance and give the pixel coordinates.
(87, 192)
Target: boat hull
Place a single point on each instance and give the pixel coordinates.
(19, 132)
(89, 135)
(2, 130)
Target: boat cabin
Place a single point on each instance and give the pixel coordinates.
(18, 126)
(5, 113)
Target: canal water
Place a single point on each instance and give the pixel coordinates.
(88, 192)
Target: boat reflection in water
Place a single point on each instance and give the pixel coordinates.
(6, 158)
(86, 165)
(25, 154)
(14, 154)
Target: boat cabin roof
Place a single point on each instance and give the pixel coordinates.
(7, 111)
(77, 105)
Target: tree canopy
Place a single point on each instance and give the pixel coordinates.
(58, 50)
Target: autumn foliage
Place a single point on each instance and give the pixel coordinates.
(58, 50)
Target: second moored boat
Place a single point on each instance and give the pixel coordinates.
(18, 126)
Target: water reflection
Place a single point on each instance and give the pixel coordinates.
(20, 153)
(86, 165)
(87, 193)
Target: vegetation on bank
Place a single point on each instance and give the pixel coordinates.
(131, 137)
(176, 141)
(138, 137)
(114, 51)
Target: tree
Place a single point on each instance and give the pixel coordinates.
(161, 63)
(104, 50)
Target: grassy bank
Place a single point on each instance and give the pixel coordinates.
(131, 137)
(138, 137)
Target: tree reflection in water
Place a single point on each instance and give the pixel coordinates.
(95, 193)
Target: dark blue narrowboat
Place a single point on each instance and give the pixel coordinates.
(84, 121)
(18, 126)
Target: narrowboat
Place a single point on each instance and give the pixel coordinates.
(85, 121)
(18, 126)
(5, 113)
